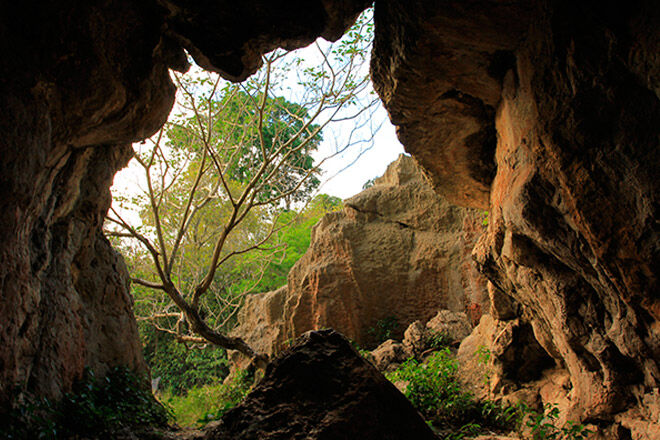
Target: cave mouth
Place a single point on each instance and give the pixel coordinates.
(219, 203)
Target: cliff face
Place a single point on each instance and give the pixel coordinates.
(396, 251)
(569, 93)
(80, 81)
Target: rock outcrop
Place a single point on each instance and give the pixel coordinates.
(321, 388)
(546, 114)
(396, 252)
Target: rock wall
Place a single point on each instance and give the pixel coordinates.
(569, 94)
(79, 81)
(397, 250)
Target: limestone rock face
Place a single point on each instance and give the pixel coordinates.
(321, 388)
(396, 251)
(79, 81)
(570, 179)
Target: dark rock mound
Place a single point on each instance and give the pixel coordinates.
(322, 388)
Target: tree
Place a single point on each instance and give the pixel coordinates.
(220, 174)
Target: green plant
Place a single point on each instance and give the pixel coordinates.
(468, 430)
(204, 404)
(432, 387)
(436, 340)
(543, 425)
(95, 407)
(384, 329)
(483, 357)
(484, 222)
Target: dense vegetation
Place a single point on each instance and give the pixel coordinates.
(432, 387)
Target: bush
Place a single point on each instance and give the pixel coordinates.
(96, 408)
(436, 340)
(433, 389)
(179, 367)
(542, 425)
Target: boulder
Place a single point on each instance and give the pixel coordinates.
(454, 325)
(388, 355)
(321, 388)
(415, 338)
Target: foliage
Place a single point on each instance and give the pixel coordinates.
(483, 357)
(210, 402)
(433, 389)
(225, 179)
(436, 340)
(181, 367)
(384, 329)
(101, 407)
(369, 183)
(543, 425)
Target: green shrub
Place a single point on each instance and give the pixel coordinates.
(96, 408)
(181, 368)
(201, 405)
(432, 387)
(436, 340)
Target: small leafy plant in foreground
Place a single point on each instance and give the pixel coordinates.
(543, 425)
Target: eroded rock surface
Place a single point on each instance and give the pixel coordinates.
(396, 251)
(321, 388)
(547, 113)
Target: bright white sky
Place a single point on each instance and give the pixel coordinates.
(369, 164)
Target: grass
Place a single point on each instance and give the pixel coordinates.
(203, 404)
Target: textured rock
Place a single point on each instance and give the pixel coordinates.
(414, 338)
(396, 250)
(389, 354)
(572, 247)
(229, 37)
(453, 324)
(260, 317)
(321, 388)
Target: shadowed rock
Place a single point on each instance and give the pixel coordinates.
(321, 388)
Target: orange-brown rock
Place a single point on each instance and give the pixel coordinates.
(569, 92)
(397, 250)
